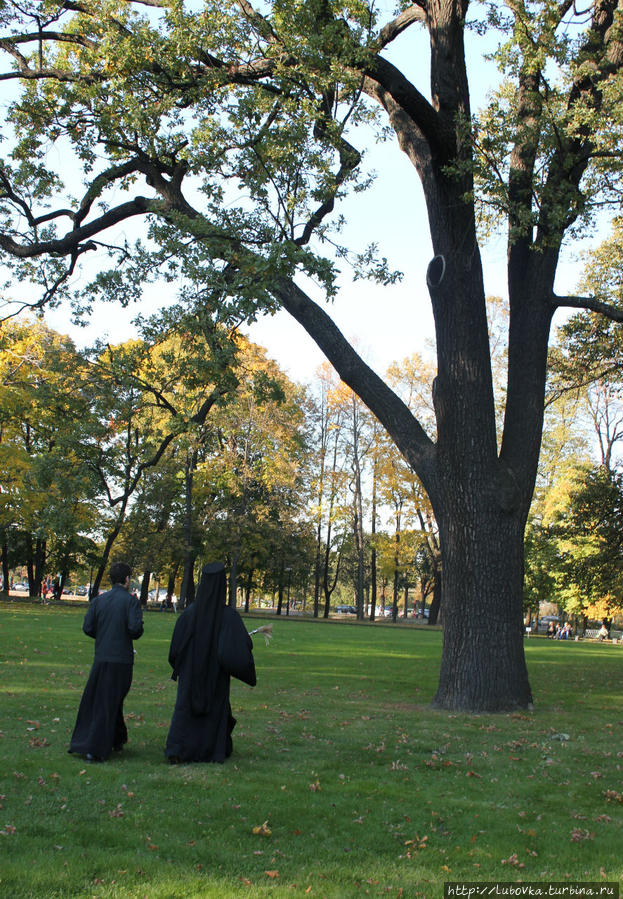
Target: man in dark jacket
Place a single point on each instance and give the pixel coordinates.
(114, 620)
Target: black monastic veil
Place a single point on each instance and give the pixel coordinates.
(210, 644)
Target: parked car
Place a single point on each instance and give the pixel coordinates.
(346, 610)
(21, 588)
(82, 591)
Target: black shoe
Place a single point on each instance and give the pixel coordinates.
(92, 758)
(174, 760)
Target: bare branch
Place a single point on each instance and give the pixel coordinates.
(74, 240)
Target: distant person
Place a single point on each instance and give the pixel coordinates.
(210, 644)
(57, 591)
(551, 630)
(114, 619)
(603, 633)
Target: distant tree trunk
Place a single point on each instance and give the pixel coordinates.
(396, 564)
(280, 587)
(328, 583)
(247, 591)
(145, 588)
(373, 533)
(40, 551)
(187, 589)
(233, 574)
(171, 584)
(30, 567)
(5, 561)
(433, 613)
(358, 506)
(110, 540)
(359, 545)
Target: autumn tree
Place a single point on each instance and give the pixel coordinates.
(47, 498)
(585, 528)
(256, 467)
(233, 131)
(330, 509)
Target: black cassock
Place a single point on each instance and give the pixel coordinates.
(202, 722)
(113, 619)
(100, 726)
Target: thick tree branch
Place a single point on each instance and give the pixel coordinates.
(614, 313)
(400, 24)
(410, 436)
(383, 78)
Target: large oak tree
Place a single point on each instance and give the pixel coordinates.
(233, 130)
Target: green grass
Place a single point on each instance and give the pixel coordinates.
(364, 788)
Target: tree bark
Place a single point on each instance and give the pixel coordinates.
(483, 666)
(145, 588)
(187, 590)
(5, 562)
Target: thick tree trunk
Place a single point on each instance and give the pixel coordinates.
(483, 666)
(480, 501)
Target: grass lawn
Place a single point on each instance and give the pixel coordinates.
(343, 781)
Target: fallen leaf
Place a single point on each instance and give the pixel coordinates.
(577, 835)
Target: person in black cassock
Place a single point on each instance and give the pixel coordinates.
(210, 644)
(114, 619)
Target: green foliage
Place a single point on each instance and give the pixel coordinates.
(173, 94)
(560, 86)
(573, 548)
(48, 490)
(591, 344)
(588, 531)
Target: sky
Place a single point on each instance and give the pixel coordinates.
(386, 324)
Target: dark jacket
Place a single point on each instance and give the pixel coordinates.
(114, 619)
